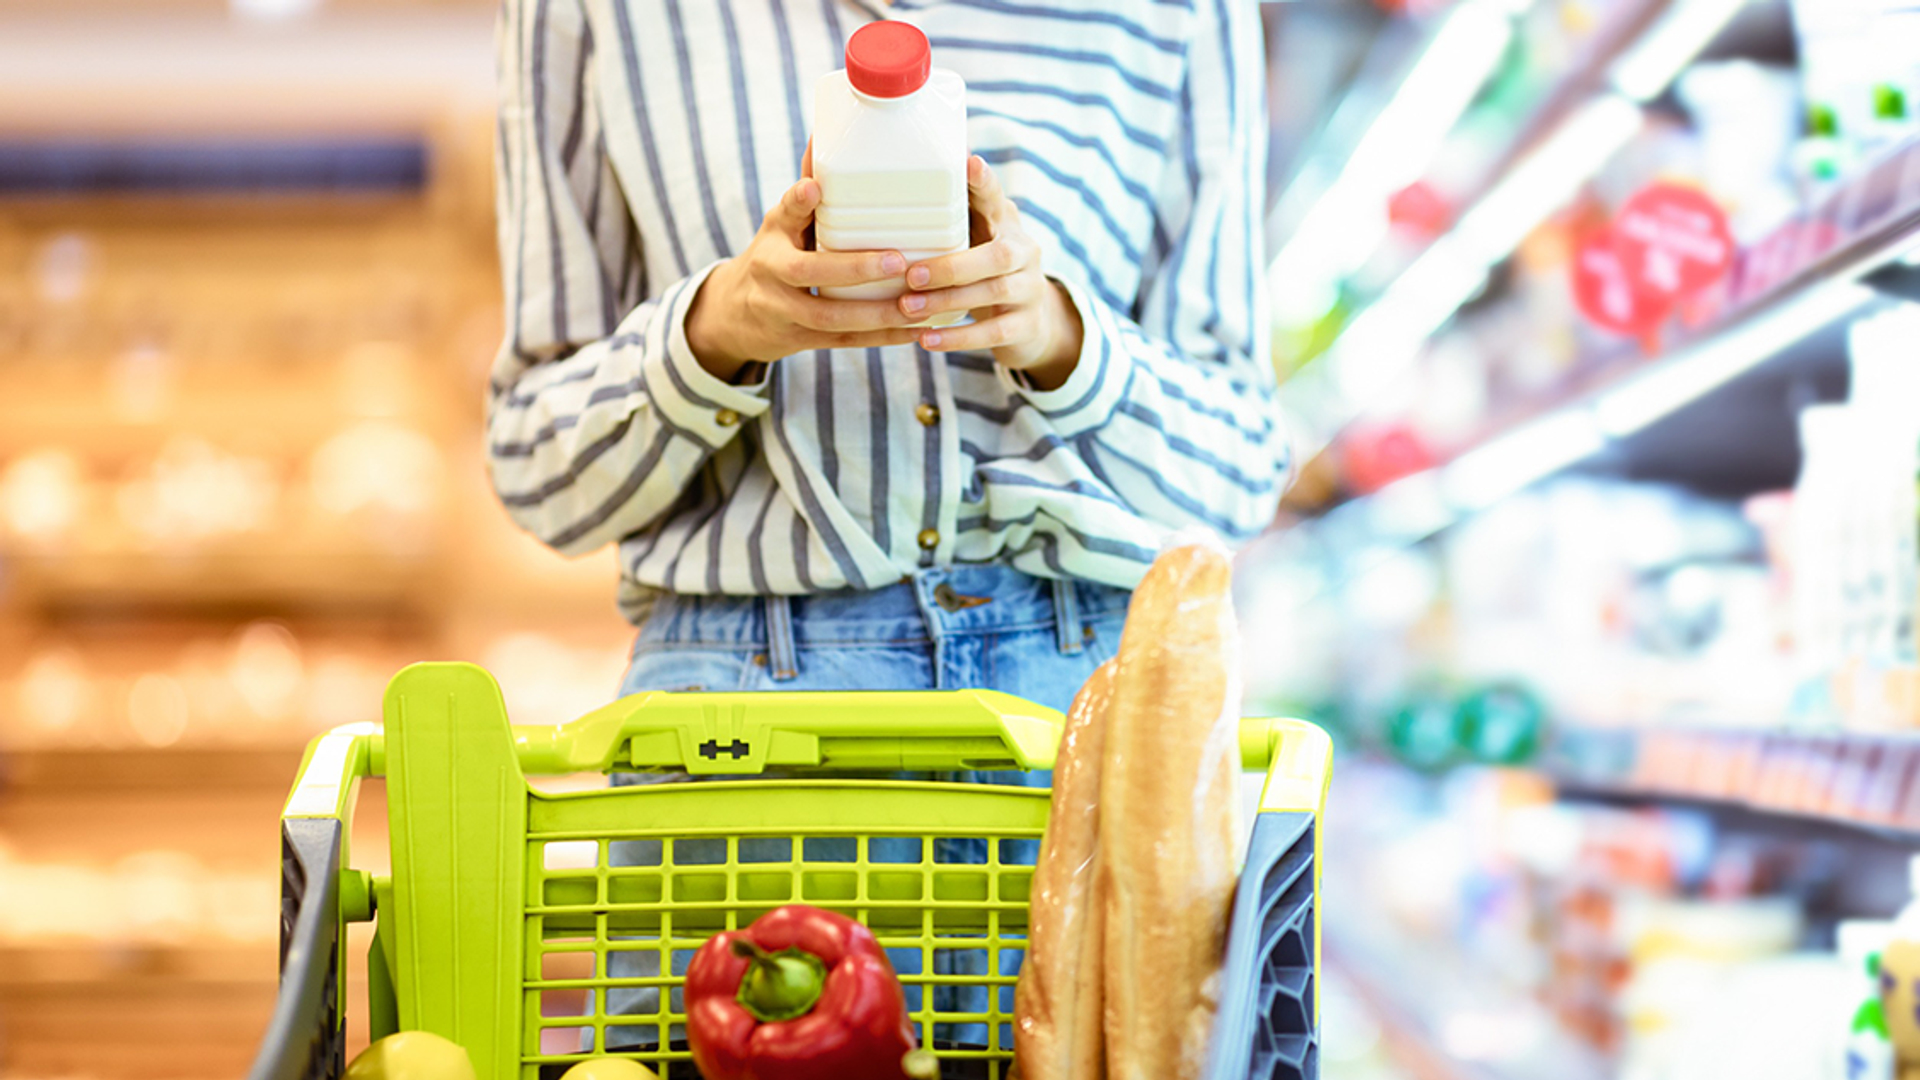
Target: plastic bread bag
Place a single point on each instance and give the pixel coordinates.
(1058, 1033)
(1170, 802)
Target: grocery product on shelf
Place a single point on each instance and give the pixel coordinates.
(1869, 1049)
(1834, 65)
(1856, 537)
(41, 496)
(151, 899)
(1900, 977)
(1664, 943)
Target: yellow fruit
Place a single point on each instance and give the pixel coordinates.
(609, 1069)
(412, 1055)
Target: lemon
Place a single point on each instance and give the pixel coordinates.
(412, 1055)
(607, 1068)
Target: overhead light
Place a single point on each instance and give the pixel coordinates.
(1691, 373)
(1343, 225)
(1546, 179)
(272, 11)
(1511, 462)
(1646, 69)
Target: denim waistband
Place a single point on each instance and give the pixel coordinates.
(935, 603)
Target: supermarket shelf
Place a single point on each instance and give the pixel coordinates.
(1418, 990)
(265, 577)
(1813, 273)
(39, 967)
(73, 771)
(1386, 92)
(1858, 781)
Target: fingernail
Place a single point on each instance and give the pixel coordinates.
(930, 339)
(919, 276)
(913, 304)
(893, 262)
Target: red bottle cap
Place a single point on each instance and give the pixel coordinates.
(888, 59)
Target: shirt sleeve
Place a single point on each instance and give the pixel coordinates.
(1175, 410)
(599, 417)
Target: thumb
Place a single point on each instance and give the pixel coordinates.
(806, 159)
(794, 212)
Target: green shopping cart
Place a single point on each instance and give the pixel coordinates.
(504, 900)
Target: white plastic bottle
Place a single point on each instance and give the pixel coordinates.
(890, 153)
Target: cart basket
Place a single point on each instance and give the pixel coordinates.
(539, 928)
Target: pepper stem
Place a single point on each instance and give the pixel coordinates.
(779, 986)
(920, 1065)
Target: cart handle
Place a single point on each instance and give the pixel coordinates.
(745, 733)
(748, 733)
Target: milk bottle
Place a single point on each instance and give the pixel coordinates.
(890, 154)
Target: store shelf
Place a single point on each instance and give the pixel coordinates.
(79, 964)
(1862, 781)
(1437, 1005)
(78, 770)
(1817, 270)
(1413, 62)
(264, 577)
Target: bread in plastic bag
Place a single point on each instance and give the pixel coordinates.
(1168, 816)
(1058, 1033)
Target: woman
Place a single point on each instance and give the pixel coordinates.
(808, 493)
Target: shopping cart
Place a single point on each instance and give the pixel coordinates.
(505, 903)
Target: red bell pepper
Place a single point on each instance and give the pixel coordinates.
(802, 994)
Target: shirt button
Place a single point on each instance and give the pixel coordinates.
(929, 539)
(927, 413)
(726, 417)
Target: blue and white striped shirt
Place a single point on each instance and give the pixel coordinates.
(642, 140)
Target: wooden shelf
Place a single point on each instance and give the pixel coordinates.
(210, 963)
(72, 771)
(267, 576)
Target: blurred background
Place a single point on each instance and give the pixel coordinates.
(1602, 567)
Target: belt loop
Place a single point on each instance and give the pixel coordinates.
(1066, 617)
(782, 664)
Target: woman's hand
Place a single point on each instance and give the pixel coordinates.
(756, 307)
(1022, 316)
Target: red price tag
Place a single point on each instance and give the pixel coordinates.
(1608, 295)
(1673, 240)
(1377, 454)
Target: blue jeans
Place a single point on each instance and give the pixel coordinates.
(964, 627)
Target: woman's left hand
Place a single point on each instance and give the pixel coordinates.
(1021, 316)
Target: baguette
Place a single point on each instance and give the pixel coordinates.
(1169, 800)
(1057, 1034)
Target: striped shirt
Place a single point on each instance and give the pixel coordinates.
(641, 141)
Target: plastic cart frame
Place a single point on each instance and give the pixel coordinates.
(501, 895)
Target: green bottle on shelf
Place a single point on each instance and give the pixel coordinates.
(1869, 1043)
(1501, 724)
(1869, 1048)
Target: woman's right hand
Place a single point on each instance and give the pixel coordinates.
(756, 306)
